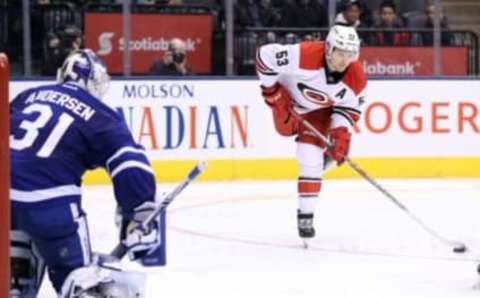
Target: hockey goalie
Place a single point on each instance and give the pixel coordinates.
(57, 132)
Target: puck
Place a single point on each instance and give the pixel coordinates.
(460, 249)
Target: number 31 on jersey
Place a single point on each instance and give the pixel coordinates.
(32, 129)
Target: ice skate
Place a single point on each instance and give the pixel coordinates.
(306, 230)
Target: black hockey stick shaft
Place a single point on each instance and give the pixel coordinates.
(121, 250)
(375, 184)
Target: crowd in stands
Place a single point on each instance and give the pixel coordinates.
(56, 27)
(379, 22)
(385, 18)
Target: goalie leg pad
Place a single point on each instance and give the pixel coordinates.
(105, 280)
(61, 235)
(26, 266)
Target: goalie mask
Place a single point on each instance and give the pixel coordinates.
(342, 47)
(84, 69)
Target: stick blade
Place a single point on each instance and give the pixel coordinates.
(460, 248)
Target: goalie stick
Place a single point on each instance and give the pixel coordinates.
(121, 250)
(458, 247)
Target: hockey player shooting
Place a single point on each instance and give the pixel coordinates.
(324, 84)
(57, 133)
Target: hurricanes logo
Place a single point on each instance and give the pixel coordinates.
(314, 96)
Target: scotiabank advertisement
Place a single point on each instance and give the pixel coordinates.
(227, 119)
(404, 61)
(150, 34)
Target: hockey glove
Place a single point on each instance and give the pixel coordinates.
(340, 138)
(138, 239)
(279, 100)
(276, 96)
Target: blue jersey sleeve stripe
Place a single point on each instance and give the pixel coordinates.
(130, 164)
(44, 194)
(128, 156)
(121, 151)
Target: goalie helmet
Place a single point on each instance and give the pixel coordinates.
(344, 39)
(84, 69)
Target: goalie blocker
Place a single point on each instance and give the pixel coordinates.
(158, 256)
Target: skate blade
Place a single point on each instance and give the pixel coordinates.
(476, 285)
(306, 244)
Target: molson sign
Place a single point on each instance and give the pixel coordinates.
(195, 119)
(411, 61)
(150, 34)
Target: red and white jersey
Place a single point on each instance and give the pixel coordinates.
(300, 68)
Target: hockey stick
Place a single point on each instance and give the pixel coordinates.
(458, 247)
(121, 250)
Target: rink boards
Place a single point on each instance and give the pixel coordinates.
(409, 128)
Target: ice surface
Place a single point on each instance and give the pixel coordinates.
(239, 239)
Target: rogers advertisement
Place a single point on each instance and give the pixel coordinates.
(150, 34)
(405, 61)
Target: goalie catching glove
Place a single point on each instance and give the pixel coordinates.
(340, 138)
(140, 239)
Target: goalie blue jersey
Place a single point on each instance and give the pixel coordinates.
(57, 132)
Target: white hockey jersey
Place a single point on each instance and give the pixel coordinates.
(300, 68)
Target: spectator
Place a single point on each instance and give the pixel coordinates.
(304, 13)
(175, 2)
(59, 44)
(256, 13)
(353, 13)
(425, 20)
(145, 2)
(174, 61)
(14, 46)
(427, 37)
(388, 19)
(217, 10)
(411, 6)
(291, 38)
(350, 15)
(267, 37)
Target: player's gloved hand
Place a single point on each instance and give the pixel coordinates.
(276, 95)
(340, 138)
(138, 239)
(279, 100)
